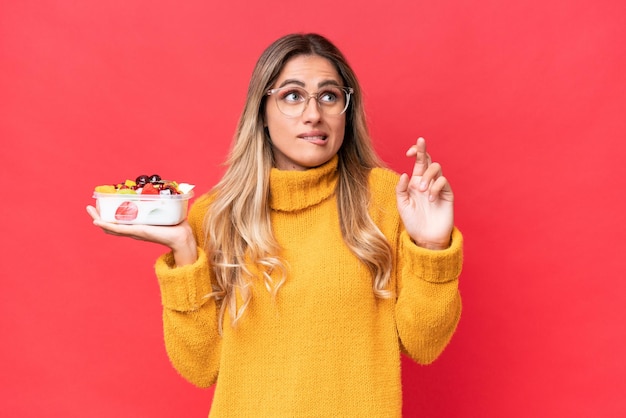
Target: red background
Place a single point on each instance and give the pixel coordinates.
(522, 103)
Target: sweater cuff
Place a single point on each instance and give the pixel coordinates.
(183, 288)
(436, 266)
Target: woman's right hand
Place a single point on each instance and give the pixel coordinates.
(179, 238)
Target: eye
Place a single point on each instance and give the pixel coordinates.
(292, 96)
(329, 96)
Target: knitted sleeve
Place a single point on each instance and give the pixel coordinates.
(428, 306)
(190, 328)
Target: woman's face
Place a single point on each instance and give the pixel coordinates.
(313, 138)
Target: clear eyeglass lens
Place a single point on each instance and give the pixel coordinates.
(292, 101)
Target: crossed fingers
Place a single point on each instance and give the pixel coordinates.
(428, 174)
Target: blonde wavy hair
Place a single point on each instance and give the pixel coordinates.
(239, 238)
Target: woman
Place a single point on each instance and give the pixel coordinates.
(300, 278)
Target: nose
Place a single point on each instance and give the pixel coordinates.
(312, 111)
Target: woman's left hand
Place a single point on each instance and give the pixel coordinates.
(425, 201)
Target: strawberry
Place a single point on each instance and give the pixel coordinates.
(127, 211)
(149, 189)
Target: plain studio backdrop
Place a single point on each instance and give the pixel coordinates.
(521, 102)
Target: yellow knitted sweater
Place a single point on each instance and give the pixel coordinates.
(326, 347)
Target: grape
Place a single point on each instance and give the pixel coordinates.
(155, 178)
(142, 180)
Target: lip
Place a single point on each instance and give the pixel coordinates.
(314, 137)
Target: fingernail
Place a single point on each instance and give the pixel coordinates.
(423, 185)
(431, 197)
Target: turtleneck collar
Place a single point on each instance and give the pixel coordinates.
(297, 190)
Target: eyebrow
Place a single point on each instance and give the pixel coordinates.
(301, 83)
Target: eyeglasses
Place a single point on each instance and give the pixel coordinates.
(331, 100)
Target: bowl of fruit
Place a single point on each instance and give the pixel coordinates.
(147, 200)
